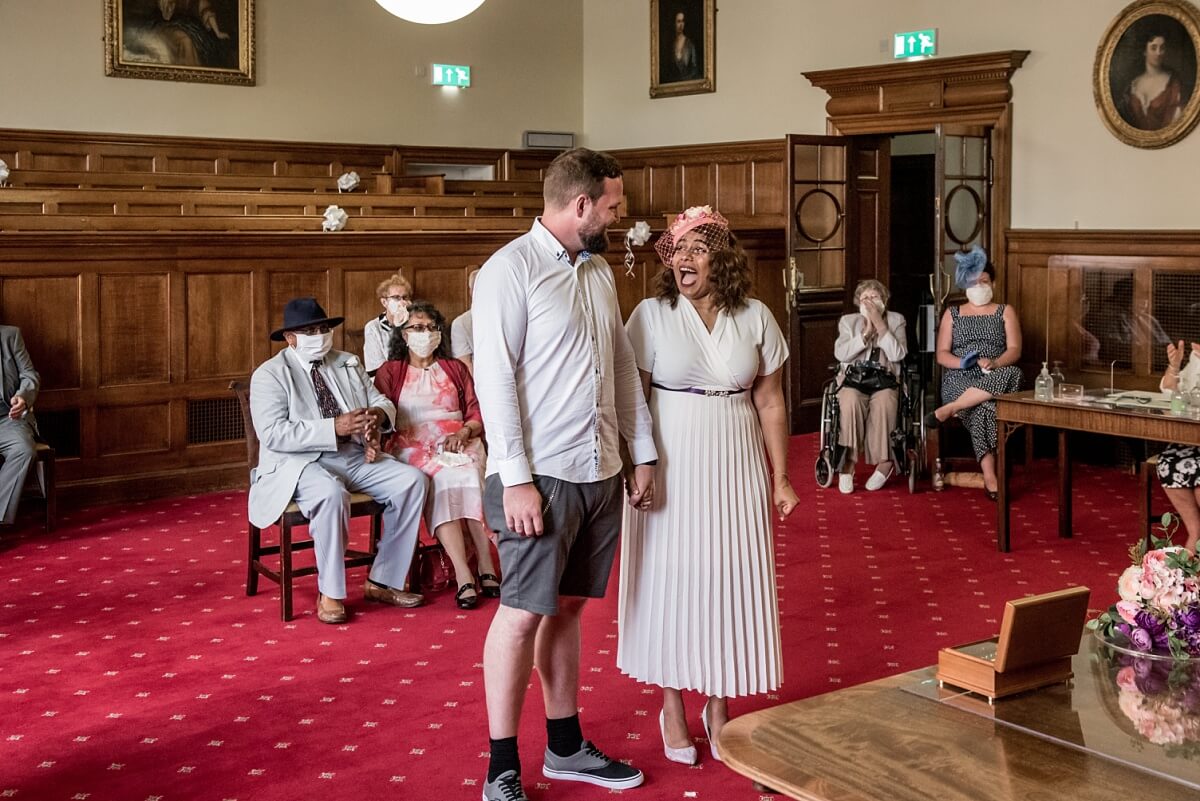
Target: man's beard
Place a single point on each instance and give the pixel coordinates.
(594, 241)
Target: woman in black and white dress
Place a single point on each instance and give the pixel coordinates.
(978, 345)
(1179, 465)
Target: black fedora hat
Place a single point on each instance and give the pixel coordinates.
(301, 313)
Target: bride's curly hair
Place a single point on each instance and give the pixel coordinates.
(729, 274)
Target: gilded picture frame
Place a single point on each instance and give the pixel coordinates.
(206, 41)
(1145, 73)
(682, 47)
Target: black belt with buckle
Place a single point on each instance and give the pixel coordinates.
(710, 393)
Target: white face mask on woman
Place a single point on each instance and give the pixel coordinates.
(980, 294)
(423, 343)
(313, 347)
(398, 311)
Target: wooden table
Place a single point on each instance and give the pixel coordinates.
(1019, 408)
(878, 742)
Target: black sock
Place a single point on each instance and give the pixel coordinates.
(504, 757)
(564, 735)
(377, 584)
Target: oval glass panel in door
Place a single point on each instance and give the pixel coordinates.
(964, 214)
(818, 215)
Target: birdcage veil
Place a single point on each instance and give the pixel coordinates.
(710, 224)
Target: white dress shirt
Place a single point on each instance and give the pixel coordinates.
(461, 336)
(377, 339)
(554, 371)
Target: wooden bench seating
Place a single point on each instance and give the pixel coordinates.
(207, 182)
(154, 209)
(461, 187)
(280, 222)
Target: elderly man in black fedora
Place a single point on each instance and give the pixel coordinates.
(318, 418)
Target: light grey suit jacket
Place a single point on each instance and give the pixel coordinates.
(291, 431)
(19, 377)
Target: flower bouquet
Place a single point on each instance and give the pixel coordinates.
(1159, 610)
(1161, 698)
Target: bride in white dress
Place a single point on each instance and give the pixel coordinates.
(697, 607)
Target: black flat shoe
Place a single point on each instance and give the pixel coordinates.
(467, 601)
(992, 495)
(492, 591)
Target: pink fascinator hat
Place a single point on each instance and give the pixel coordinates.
(716, 235)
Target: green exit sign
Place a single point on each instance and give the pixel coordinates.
(451, 75)
(914, 43)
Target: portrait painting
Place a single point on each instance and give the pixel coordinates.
(1144, 79)
(682, 39)
(210, 41)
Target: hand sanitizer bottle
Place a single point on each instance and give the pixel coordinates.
(1057, 376)
(1178, 404)
(1043, 388)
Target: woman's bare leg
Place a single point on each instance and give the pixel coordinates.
(1187, 503)
(968, 400)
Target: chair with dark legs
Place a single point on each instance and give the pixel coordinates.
(361, 505)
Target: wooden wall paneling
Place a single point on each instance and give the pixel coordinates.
(219, 325)
(47, 309)
(815, 318)
(666, 190)
(732, 183)
(140, 428)
(633, 289)
(134, 328)
(769, 187)
(443, 286)
(700, 186)
(361, 303)
(527, 165)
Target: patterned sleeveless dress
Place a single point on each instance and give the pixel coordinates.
(984, 334)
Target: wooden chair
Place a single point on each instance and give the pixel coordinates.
(41, 482)
(1147, 478)
(360, 505)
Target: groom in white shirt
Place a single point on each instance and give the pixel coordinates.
(558, 387)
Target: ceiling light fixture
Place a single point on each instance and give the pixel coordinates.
(430, 12)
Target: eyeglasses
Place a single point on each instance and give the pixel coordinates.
(397, 297)
(694, 250)
(313, 330)
(421, 328)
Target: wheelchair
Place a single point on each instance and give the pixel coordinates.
(907, 438)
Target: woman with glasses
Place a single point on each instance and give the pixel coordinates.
(697, 608)
(394, 295)
(438, 429)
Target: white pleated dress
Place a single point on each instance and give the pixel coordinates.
(697, 608)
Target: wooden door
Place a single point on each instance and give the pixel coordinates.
(838, 189)
(963, 203)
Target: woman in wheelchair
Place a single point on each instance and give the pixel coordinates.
(871, 345)
(978, 345)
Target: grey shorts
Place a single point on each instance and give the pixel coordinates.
(575, 553)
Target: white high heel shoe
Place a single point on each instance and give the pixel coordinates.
(684, 756)
(712, 744)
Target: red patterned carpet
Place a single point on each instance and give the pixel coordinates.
(134, 668)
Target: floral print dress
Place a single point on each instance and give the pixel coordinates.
(427, 411)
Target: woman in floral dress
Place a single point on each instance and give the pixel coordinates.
(438, 429)
(1179, 465)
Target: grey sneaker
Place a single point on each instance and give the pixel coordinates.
(590, 764)
(507, 787)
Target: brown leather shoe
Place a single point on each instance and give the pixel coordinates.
(334, 614)
(390, 595)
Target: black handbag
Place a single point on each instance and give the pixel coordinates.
(869, 376)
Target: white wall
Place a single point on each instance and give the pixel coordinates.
(1068, 169)
(328, 70)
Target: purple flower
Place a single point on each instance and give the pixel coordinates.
(1141, 639)
(1150, 623)
(1188, 619)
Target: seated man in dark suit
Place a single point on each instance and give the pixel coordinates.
(17, 428)
(318, 419)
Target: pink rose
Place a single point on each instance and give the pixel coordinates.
(1127, 585)
(1125, 679)
(1128, 611)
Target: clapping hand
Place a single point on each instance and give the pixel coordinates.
(1175, 355)
(371, 446)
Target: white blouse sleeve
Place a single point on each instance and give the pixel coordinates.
(772, 349)
(640, 329)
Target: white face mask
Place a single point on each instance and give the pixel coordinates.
(980, 294)
(397, 312)
(313, 347)
(423, 343)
